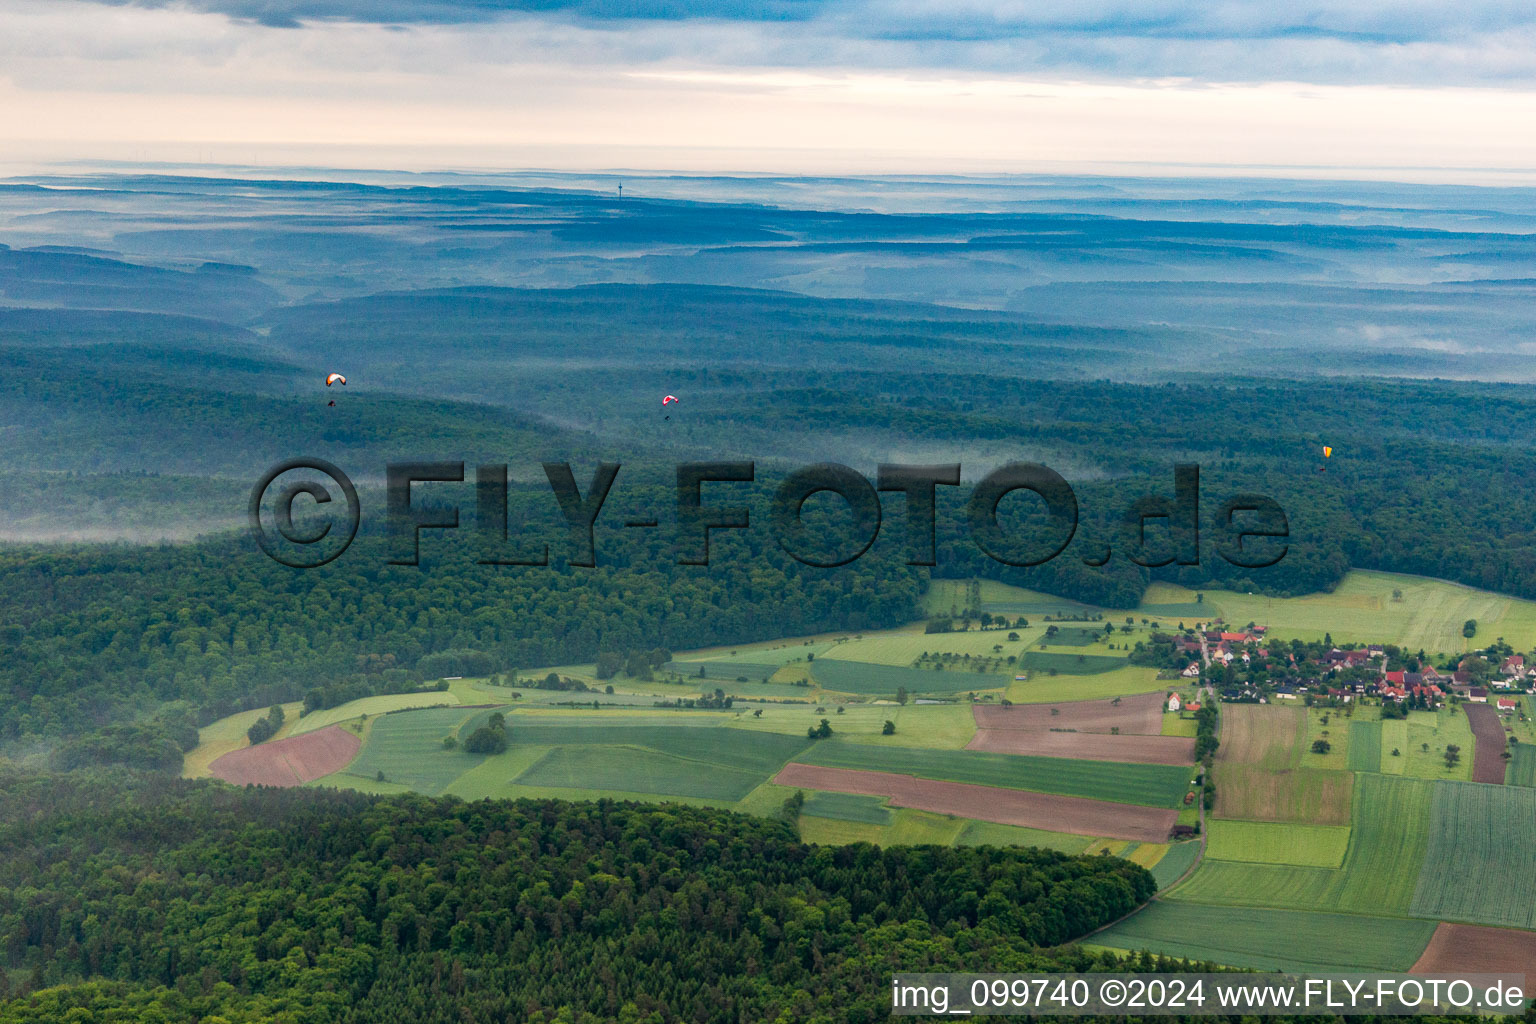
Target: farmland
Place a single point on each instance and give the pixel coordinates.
(1087, 746)
(1270, 939)
(1320, 846)
(989, 803)
(288, 762)
(1149, 785)
(884, 680)
(1488, 734)
(1468, 948)
(1364, 747)
(1522, 766)
(616, 769)
(1478, 864)
(1179, 859)
(1264, 737)
(1141, 715)
(847, 807)
(1124, 681)
(370, 706)
(1379, 871)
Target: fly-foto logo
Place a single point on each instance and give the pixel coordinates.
(1253, 530)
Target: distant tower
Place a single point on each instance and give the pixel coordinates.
(621, 191)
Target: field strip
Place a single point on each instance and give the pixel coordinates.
(1488, 744)
(289, 762)
(1086, 746)
(989, 803)
(1474, 949)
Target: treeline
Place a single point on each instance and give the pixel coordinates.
(100, 635)
(142, 898)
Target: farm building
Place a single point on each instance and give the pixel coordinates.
(1173, 702)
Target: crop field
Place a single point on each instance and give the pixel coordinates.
(989, 833)
(990, 803)
(836, 832)
(760, 752)
(847, 807)
(369, 706)
(1521, 770)
(1365, 747)
(1264, 737)
(1140, 715)
(1478, 866)
(217, 739)
(1086, 746)
(1124, 681)
(1271, 939)
(1262, 842)
(904, 647)
(1146, 784)
(945, 726)
(1465, 948)
(1171, 867)
(1394, 736)
(408, 749)
(884, 680)
(615, 769)
(1429, 614)
(777, 654)
(1488, 735)
(715, 671)
(1380, 869)
(1070, 662)
(291, 761)
(495, 777)
(1310, 797)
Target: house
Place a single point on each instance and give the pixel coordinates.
(1343, 696)
(1284, 693)
(1191, 672)
(1507, 706)
(1429, 674)
(1478, 695)
(1173, 701)
(1397, 678)
(1235, 638)
(1514, 665)
(1191, 706)
(1396, 693)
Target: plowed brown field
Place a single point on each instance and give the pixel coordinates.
(1473, 949)
(1087, 746)
(991, 803)
(1141, 714)
(290, 762)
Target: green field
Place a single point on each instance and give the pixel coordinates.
(1122, 682)
(1436, 729)
(718, 671)
(1365, 746)
(1522, 766)
(946, 596)
(847, 807)
(1179, 859)
(616, 769)
(1336, 730)
(1263, 842)
(370, 706)
(1271, 939)
(884, 680)
(947, 726)
(709, 741)
(1310, 797)
(904, 647)
(1381, 868)
(1394, 736)
(1175, 724)
(1479, 865)
(1070, 663)
(989, 833)
(1149, 784)
(408, 749)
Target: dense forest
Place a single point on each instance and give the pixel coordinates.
(134, 898)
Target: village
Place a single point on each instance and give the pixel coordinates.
(1245, 666)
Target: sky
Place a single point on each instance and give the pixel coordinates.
(1408, 89)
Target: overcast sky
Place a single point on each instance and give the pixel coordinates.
(1405, 88)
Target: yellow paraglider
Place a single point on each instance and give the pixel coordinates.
(1327, 452)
